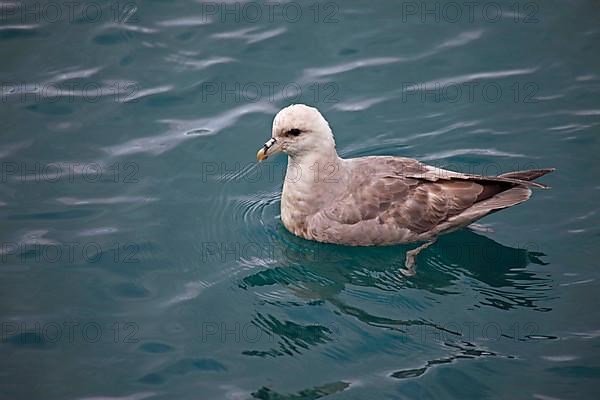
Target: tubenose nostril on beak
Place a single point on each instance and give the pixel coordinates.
(269, 144)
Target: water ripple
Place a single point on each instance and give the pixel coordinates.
(135, 396)
(72, 201)
(463, 152)
(188, 61)
(147, 92)
(359, 105)
(311, 74)
(185, 21)
(446, 129)
(465, 352)
(177, 133)
(20, 27)
(250, 35)
(10, 149)
(315, 73)
(462, 39)
(460, 79)
(73, 74)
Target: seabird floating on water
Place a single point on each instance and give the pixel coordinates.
(378, 200)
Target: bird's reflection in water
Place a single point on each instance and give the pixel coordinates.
(321, 271)
(315, 273)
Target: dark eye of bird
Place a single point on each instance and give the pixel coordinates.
(294, 132)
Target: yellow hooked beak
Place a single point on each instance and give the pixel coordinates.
(268, 149)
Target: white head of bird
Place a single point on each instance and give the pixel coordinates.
(302, 133)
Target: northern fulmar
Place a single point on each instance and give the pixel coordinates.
(378, 200)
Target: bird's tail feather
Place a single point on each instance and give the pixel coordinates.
(528, 175)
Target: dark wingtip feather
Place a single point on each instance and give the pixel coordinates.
(529, 176)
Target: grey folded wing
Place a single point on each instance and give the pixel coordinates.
(394, 200)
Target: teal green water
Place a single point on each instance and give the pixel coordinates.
(142, 253)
